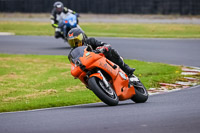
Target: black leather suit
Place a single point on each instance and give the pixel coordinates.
(110, 54)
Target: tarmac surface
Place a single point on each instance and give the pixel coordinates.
(175, 112)
(171, 51)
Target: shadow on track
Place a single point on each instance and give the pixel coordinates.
(102, 105)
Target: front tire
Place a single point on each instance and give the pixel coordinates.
(108, 96)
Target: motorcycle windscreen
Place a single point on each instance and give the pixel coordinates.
(76, 53)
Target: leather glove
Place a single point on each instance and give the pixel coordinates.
(77, 15)
(91, 41)
(102, 49)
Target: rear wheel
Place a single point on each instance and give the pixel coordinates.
(141, 95)
(107, 95)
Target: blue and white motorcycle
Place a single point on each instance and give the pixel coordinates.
(67, 22)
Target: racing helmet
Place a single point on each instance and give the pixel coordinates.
(58, 6)
(76, 37)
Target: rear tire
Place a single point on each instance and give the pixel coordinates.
(108, 96)
(141, 94)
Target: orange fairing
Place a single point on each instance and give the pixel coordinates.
(92, 60)
(78, 73)
(121, 87)
(98, 75)
(89, 58)
(119, 81)
(75, 71)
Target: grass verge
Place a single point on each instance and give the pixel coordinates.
(108, 29)
(41, 81)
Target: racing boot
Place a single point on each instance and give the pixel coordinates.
(114, 56)
(129, 71)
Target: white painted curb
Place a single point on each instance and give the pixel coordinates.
(6, 33)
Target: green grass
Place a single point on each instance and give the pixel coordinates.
(41, 81)
(109, 29)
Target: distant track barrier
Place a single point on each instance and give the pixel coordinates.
(182, 7)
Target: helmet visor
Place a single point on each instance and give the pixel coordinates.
(76, 41)
(59, 8)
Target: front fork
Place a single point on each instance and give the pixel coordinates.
(104, 79)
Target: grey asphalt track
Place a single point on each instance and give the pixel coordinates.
(175, 112)
(171, 51)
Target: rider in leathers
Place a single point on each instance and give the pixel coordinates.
(58, 9)
(76, 38)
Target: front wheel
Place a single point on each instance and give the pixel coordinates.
(107, 95)
(141, 94)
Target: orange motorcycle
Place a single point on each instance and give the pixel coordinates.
(108, 82)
